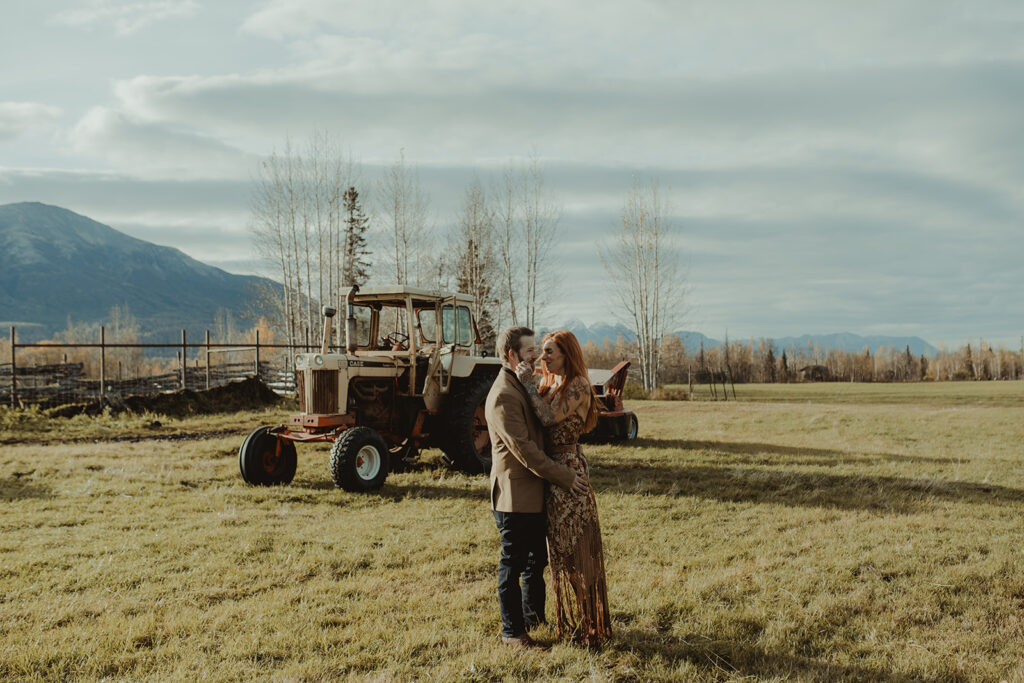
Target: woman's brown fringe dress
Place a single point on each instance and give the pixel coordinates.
(574, 546)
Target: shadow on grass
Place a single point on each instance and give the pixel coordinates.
(14, 489)
(395, 492)
(735, 659)
(795, 455)
(753, 485)
(434, 491)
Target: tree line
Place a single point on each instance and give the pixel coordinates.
(740, 362)
(760, 361)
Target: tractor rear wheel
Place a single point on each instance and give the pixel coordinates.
(467, 444)
(266, 460)
(359, 460)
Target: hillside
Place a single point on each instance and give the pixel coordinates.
(55, 263)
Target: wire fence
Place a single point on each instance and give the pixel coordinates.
(56, 373)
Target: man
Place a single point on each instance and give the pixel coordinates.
(519, 471)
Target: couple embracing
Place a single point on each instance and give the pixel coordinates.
(540, 490)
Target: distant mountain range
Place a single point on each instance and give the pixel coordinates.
(844, 341)
(55, 263)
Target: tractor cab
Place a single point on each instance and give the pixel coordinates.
(408, 319)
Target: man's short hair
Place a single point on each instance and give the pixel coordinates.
(510, 338)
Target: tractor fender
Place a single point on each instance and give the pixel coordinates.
(464, 366)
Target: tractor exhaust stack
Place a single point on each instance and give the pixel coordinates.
(328, 312)
(351, 335)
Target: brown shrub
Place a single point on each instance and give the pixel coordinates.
(669, 394)
(635, 392)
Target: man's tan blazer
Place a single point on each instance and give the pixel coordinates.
(519, 466)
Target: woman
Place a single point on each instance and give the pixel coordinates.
(567, 407)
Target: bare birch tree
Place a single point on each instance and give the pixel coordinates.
(507, 234)
(643, 261)
(272, 225)
(540, 229)
(297, 226)
(403, 207)
(476, 266)
(527, 226)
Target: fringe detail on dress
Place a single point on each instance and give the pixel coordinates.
(581, 593)
(575, 551)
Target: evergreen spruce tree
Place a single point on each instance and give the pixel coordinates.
(357, 267)
(769, 363)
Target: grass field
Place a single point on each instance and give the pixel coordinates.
(913, 393)
(817, 532)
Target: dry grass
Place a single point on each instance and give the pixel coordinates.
(873, 393)
(820, 541)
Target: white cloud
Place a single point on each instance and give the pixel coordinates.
(649, 38)
(16, 118)
(153, 149)
(125, 17)
(957, 125)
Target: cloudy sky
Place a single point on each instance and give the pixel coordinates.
(832, 166)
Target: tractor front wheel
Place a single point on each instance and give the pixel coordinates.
(266, 460)
(634, 427)
(359, 460)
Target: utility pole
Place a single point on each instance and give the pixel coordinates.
(103, 363)
(14, 368)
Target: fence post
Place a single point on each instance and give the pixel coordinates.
(207, 359)
(183, 364)
(14, 369)
(257, 353)
(103, 362)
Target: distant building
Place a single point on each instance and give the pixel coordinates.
(815, 373)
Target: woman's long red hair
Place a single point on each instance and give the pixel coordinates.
(574, 367)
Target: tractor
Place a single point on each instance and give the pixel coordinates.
(614, 421)
(412, 376)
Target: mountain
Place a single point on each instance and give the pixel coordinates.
(600, 331)
(55, 263)
(845, 341)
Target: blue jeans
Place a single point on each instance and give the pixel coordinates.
(524, 554)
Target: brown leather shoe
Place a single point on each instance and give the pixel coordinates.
(524, 642)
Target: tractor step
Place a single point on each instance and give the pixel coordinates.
(314, 421)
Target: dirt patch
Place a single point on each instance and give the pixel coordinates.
(247, 394)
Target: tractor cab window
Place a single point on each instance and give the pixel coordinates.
(428, 324)
(392, 325)
(363, 315)
(465, 321)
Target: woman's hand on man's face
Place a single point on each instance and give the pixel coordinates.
(524, 371)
